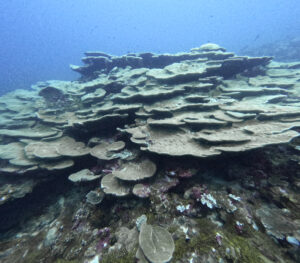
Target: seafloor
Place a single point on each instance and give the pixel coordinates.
(190, 157)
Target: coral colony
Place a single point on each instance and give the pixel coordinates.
(188, 157)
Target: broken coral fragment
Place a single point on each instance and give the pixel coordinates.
(156, 243)
(95, 197)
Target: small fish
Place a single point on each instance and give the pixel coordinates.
(257, 37)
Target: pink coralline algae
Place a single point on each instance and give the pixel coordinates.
(185, 173)
(110, 167)
(143, 191)
(179, 172)
(201, 194)
(166, 183)
(219, 239)
(198, 191)
(78, 219)
(239, 227)
(105, 238)
(97, 169)
(105, 168)
(107, 171)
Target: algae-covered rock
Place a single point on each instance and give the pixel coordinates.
(127, 238)
(95, 197)
(156, 243)
(276, 223)
(140, 256)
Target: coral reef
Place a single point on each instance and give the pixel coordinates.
(188, 157)
(282, 50)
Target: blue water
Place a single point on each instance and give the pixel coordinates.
(40, 38)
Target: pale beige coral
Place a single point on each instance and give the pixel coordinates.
(106, 150)
(84, 175)
(134, 171)
(112, 185)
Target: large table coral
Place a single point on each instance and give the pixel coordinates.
(144, 125)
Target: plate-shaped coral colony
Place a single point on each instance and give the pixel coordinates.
(188, 157)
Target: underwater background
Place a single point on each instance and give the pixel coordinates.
(174, 139)
(40, 38)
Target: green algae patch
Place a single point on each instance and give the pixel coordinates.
(99, 218)
(66, 261)
(181, 248)
(245, 252)
(205, 241)
(202, 243)
(150, 218)
(34, 256)
(172, 229)
(119, 257)
(247, 244)
(37, 256)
